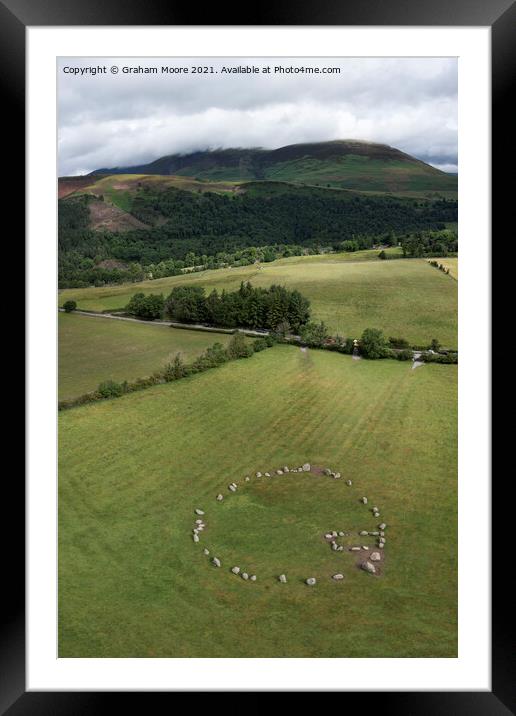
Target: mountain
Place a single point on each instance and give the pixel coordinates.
(345, 164)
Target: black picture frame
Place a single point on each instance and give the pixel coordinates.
(500, 16)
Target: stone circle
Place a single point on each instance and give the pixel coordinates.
(366, 565)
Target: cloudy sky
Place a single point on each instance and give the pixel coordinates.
(110, 120)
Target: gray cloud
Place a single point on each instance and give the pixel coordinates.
(120, 119)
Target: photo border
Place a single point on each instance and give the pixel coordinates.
(500, 15)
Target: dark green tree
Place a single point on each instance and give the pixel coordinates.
(373, 344)
(69, 306)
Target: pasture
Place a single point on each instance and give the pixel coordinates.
(92, 350)
(406, 298)
(132, 583)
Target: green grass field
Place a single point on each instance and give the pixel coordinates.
(405, 298)
(131, 471)
(92, 350)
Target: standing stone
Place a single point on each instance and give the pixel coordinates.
(363, 533)
(235, 570)
(334, 546)
(306, 467)
(199, 512)
(364, 500)
(337, 475)
(232, 488)
(279, 472)
(245, 575)
(368, 567)
(247, 479)
(282, 578)
(206, 551)
(327, 471)
(341, 534)
(253, 577)
(382, 526)
(196, 538)
(338, 577)
(267, 474)
(258, 474)
(198, 522)
(334, 533)
(375, 556)
(348, 482)
(329, 535)
(285, 469)
(216, 562)
(311, 581)
(220, 498)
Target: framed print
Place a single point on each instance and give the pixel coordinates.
(255, 461)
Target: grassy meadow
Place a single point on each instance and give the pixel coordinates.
(132, 583)
(406, 298)
(92, 350)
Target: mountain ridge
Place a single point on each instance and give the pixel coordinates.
(347, 163)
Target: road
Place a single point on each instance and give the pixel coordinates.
(170, 324)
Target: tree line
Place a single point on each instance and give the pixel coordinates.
(276, 308)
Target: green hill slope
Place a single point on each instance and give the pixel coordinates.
(350, 164)
(407, 298)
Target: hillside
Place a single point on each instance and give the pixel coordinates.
(407, 298)
(347, 164)
(236, 206)
(145, 223)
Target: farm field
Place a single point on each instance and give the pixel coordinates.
(92, 350)
(132, 583)
(451, 263)
(407, 298)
